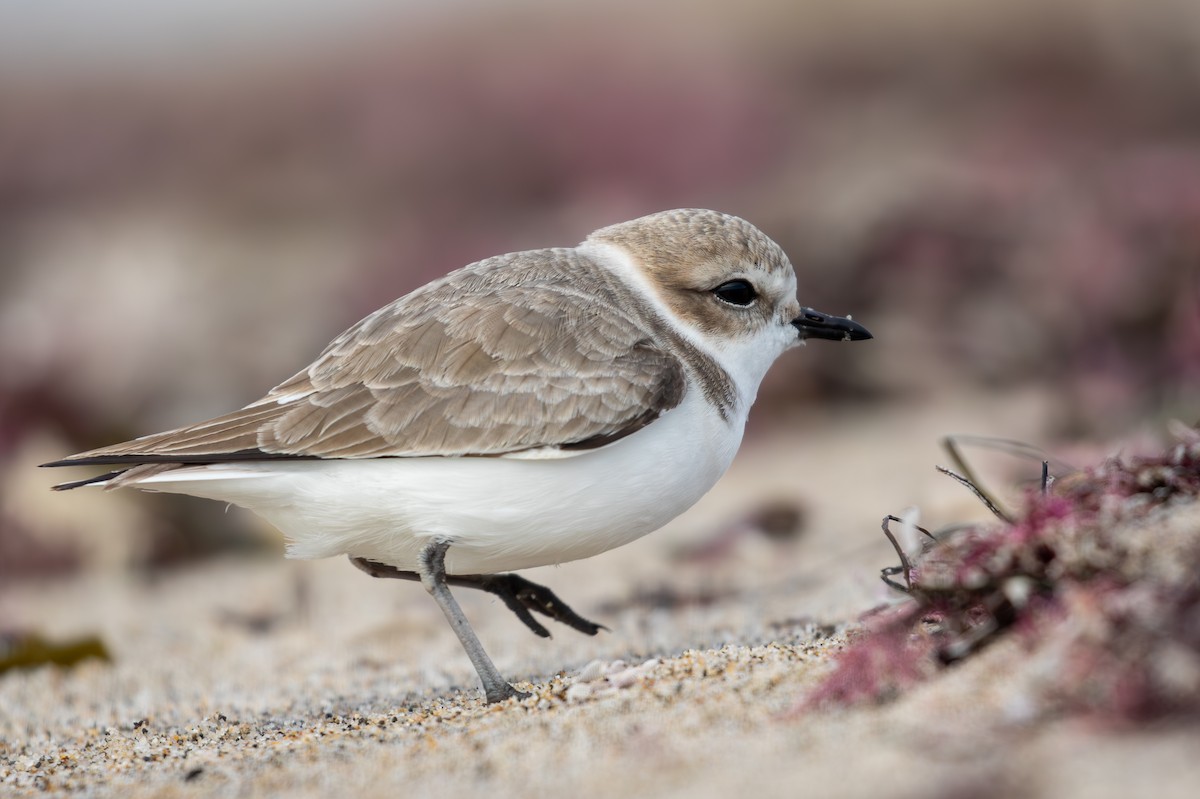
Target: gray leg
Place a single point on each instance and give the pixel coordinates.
(433, 577)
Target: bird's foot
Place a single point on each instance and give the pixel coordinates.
(522, 596)
(518, 594)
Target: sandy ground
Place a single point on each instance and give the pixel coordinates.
(266, 677)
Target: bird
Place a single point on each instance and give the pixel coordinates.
(526, 410)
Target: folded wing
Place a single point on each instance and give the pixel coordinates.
(530, 350)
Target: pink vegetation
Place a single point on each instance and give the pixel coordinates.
(1100, 578)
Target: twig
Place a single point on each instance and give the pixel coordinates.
(978, 493)
(905, 566)
(952, 444)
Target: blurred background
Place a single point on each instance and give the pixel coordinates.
(196, 197)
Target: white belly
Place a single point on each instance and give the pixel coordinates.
(500, 514)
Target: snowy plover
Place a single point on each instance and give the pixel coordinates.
(526, 410)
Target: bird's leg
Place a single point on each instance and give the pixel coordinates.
(432, 563)
(518, 594)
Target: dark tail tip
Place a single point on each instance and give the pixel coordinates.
(100, 478)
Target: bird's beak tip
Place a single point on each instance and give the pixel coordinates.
(814, 324)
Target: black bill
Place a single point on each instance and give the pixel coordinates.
(814, 324)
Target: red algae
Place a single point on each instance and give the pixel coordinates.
(1099, 576)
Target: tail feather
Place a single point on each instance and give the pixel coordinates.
(120, 477)
(100, 478)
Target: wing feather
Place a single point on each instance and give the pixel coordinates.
(534, 349)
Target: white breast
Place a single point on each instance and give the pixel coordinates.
(501, 514)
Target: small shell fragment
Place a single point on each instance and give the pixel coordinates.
(579, 692)
(591, 672)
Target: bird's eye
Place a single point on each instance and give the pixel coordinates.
(736, 292)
